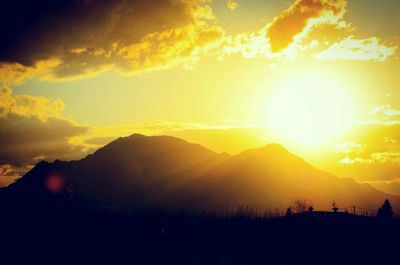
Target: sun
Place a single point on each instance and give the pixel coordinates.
(310, 109)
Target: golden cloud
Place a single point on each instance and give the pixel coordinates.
(231, 5)
(385, 157)
(295, 22)
(371, 152)
(16, 73)
(168, 48)
(370, 49)
(285, 37)
(28, 106)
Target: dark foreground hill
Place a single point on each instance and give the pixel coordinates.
(169, 173)
(75, 234)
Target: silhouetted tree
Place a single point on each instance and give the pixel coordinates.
(300, 205)
(385, 212)
(289, 211)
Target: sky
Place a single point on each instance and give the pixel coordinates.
(317, 76)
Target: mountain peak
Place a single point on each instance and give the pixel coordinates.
(275, 148)
(150, 150)
(136, 136)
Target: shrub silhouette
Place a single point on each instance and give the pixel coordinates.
(301, 205)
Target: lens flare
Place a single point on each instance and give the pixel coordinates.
(55, 184)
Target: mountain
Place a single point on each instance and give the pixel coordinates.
(167, 172)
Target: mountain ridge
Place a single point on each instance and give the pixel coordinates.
(168, 172)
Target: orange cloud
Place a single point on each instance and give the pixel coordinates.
(300, 18)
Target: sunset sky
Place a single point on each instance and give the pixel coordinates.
(321, 77)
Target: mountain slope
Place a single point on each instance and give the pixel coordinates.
(167, 172)
(273, 177)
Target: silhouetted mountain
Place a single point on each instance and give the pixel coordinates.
(167, 172)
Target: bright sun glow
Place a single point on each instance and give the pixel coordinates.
(310, 109)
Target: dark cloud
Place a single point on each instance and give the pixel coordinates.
(31, 129)
(35, 30)
(25, 140)
(87, 35)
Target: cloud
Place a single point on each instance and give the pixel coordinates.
(385, 158)
(377, 167)
(28, 106)
(8, 174)
(64, 39)
(32, 129)
(231, 5)
(370, 49)
(385, 114)
(307, 27)
(302, 16)
(71, 39)
(25, 140)
(255, 44)
(16, 73)
(371, 152)
(288, 34)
